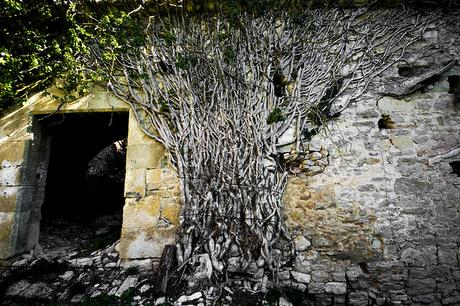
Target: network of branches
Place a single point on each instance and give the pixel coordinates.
(220, 90)
(43, 41)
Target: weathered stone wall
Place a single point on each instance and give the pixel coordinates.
(375, 219)
(381, 223)
(151, 210)
(151, 213)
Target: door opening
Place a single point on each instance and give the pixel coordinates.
(84, 188)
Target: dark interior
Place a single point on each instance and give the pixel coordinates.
(454, 87)
(86, 166)
(73, 191)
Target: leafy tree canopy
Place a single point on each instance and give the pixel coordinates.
(42, 41)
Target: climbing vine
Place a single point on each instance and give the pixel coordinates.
(221, 90)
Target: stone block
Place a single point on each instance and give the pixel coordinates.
(129, 282)
(447, 256)
(169, 201)
(420, 286)
(8, 198)
(10, 175)
(135, 134)
(428, 299)
(339, 276)
(12, 153)
(153, 179)
(165, 193)
(34, 291)
(135, 182)
(145, 156)
(446, 288)
(169, 177)
(141, 243)
(142, 214)
(452, 300)
(302, 264)
(101, 100)
(418, 273)
(322, 242)
(21, 198)
(389, 105)
(301, 243)
(358, 298)
(402, 143)
(6, 230)
(302, 278)
(424, 256)
(171, 213)
(14, 124)
(337, 288)
(385, 144)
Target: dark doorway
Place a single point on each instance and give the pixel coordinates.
(85, 180)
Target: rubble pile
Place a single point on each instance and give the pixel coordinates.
(77, 265)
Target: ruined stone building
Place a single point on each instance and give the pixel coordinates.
(378, 219)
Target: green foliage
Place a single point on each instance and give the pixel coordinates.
(186, 61)
(35, 43)
(164, 108)
(127, 296)
(229, 54)
(100, 241)
(45, 42)
(169, 38)
(102, 299)
(275, 116)
(272, 296)
(132, 271)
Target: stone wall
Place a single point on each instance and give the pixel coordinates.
(151, 210)
(376, 222)
(151, 213)
(382, 222)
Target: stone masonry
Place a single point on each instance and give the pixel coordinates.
(151, 211)
(381, 224)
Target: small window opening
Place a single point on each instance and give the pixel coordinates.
(386, 122)
(454, 87)
(408, 71)
(280, 81)
(455, 165)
